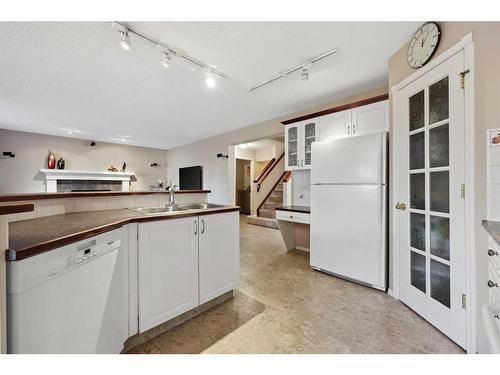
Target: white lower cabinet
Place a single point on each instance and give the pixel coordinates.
(219, 254)
(168, 270)
(183, 263)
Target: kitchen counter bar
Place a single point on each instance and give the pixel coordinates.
(31, 237)
(36, 196)
(303, 209)
(16, 208)
(493, 228)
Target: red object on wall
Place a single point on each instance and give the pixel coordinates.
(51, 160)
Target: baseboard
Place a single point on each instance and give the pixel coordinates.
(302, 248)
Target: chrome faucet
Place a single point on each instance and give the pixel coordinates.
(171, 190)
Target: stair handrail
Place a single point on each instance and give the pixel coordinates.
(264, 170)
(270, 191)
(262, 177)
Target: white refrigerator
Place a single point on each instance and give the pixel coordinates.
(349, 208)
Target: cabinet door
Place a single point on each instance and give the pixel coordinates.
(335, 126)
(309, 135)
(372, 118)
(168, 270)
(292, 138)
(219, 253)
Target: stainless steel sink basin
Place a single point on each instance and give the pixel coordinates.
(199, 206)
(181, 207)
(158, 210)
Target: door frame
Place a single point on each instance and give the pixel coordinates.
(232, 174)
(252, 171)
(467, 45)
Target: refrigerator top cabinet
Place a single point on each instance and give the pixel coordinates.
(366, 119)
(356, 160)
(299, 138)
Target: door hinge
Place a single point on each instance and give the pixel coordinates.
(462, 78)
(464, 301)
(462, 191)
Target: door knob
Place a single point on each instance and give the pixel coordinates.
(491, 284)
(492, 252)
(401, 206)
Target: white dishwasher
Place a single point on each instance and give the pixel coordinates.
(73, 299)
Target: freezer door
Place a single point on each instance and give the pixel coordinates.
(348, 232)
(350, 160)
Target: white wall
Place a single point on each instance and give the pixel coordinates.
(20, 174)
(216, 171)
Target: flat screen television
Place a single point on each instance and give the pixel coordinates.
(191, 178)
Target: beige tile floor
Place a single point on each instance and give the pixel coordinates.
(283, 306)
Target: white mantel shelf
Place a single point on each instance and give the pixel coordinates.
(51, 176)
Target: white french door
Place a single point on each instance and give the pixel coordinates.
(430, 194)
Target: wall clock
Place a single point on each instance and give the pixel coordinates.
(423, 45)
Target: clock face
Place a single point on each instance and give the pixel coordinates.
(423, 45)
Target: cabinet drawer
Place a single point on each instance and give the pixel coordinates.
(297, 217)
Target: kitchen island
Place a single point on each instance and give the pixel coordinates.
(164, 267)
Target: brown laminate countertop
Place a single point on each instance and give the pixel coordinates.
(303, 209)
(493, 228)
(16, 197)
(35, 236)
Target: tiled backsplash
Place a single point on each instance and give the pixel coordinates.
(49, 207)
(301, 188)
(493, 182)
(88, 185)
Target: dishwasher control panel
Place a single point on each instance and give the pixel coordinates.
(92, 250)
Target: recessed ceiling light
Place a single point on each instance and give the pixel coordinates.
(125, 40)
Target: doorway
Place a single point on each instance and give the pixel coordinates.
(243, 185)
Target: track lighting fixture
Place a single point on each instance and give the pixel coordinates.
(125, 40)
(168, 52)
(305, 68)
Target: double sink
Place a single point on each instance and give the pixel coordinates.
(176, 208)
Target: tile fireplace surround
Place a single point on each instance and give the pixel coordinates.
(63, 180)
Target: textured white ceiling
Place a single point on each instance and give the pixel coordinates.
(56, 76)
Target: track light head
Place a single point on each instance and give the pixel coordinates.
(305, 74)
(167, 59)
(125, 40)
(210, 79)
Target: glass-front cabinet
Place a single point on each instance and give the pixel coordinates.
(298, 142)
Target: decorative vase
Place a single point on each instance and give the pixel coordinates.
(61, 163)
(51, 160)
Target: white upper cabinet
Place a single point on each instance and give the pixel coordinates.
(219, 254)
(335, 125)
(298, 140)
(367, 119)
(168, 270)
(371, 118)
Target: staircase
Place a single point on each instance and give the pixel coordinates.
(266, 214)
(274, 200)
